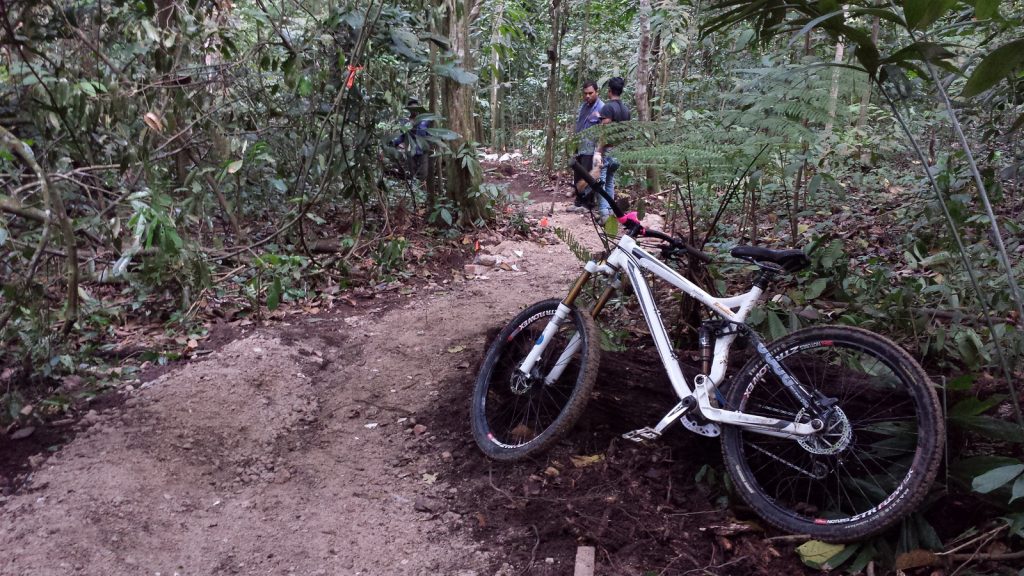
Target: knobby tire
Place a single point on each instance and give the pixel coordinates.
(512, 418)
(878, 455)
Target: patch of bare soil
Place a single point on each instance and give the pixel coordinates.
(338, 444)
(658, 508)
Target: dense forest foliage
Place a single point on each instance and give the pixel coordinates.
(161, 156)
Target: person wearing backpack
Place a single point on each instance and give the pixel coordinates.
(415, 147)
(614, 110)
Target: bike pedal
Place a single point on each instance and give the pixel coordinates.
(646, 433)
(709, 429)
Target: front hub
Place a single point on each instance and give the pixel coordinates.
(835, 435)
(521, 383)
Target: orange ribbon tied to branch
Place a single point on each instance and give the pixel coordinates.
(352, 76)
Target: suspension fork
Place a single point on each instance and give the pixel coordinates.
(816, 402)
(574, 344)
(564, 307)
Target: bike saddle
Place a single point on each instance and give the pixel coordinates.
(790, 260)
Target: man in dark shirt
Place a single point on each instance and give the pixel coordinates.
(612, 111)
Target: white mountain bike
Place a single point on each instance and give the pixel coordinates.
(831, 431)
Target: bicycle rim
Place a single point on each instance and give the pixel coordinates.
(516, 415)
(877, 455)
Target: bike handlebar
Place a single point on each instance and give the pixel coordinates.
(633, 225)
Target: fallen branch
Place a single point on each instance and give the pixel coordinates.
(13, 206)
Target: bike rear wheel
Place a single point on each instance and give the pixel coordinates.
(877, 455)
(515, 416)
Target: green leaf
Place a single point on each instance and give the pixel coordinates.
(998, 64)
(926, 535)
(974, 406)
(405, 43)
(305, 87)
(814, 553)
(87, 88)
(841, 557)
(923, 51)
(920, 14)
(1018, 489)
(993, 428)
(354, 19)
(867, 554)
(274, 295)
(775, 326)
(1016, 523)
(443, 134)
(807, 27)
(966, 469)
(996, 478)
(815, 289)
(151, 31)
(456, 73)
(611, 227)
(235, 166)
(961, 383)
(986, 9)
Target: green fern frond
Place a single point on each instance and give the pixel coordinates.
(578, 250)
(781, 108)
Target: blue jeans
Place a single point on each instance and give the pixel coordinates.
(609, 185)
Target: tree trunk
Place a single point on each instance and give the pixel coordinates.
(865, 99)
(691, 40)
(691, 37)
(553, 61)
(458, 99)
(833, 96)
(432, 107)
(495, 73)
(643, 77)
(582, 69)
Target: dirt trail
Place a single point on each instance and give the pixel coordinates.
(302, 448)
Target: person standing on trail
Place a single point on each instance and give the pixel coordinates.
(612, 111)
(413, 139)
(589, 115)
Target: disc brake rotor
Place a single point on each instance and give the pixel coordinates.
(520, 383)
(834, 437)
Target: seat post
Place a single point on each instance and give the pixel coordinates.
(764, 277)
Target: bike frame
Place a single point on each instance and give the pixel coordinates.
(630, 258)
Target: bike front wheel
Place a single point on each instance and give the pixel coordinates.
(877, 454)
(516, 415)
